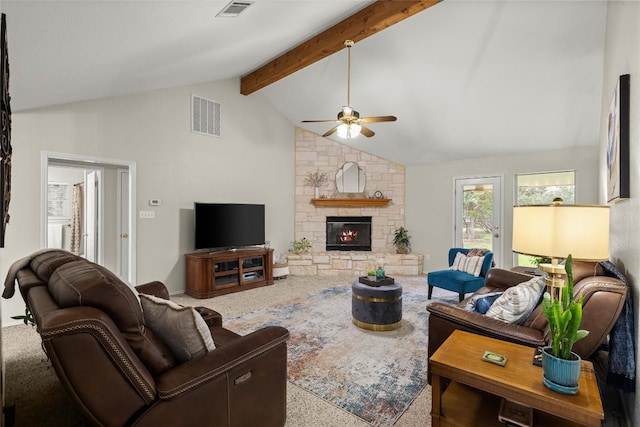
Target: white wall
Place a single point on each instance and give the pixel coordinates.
(252, 162)
(429, 206)
(622, 56)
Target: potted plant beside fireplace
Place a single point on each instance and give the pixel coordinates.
(401, 240)
(301, 246)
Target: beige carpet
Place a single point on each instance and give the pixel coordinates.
(40, 400)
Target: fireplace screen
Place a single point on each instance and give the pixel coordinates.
(348, 233)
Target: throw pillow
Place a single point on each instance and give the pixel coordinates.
(517, 302)
(473, 265)
(458, 262)
(480, 303)
(467, 264)
(181, 328)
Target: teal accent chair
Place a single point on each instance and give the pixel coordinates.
(459, 281)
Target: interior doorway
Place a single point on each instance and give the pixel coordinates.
(478, 214)
(88, 207)
(73, 208)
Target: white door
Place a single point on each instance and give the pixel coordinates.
(123, 224)
(478, 214)
(91, 215)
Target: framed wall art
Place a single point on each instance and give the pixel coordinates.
(5, 135)
(618, 142)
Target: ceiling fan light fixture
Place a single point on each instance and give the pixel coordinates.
(348, 114)
(348, 131)
(349, 119)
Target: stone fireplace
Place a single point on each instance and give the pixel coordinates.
(348, 233)
(326, 258)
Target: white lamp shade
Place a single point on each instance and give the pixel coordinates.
(559, 230)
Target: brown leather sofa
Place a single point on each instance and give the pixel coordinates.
(603, 301)
(121, 374)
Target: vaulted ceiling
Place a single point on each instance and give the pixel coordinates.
(465, 78)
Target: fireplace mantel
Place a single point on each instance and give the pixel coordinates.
(350, 202)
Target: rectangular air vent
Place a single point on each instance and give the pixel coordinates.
(205, 116)
(233, 9)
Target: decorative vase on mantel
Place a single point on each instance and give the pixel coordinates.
(316, 192)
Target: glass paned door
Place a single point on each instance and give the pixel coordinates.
(478, 219)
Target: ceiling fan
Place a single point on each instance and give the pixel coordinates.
(350, 124)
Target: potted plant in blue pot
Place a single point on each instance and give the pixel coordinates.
(561, 366)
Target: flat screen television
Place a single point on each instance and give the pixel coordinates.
(228, 225)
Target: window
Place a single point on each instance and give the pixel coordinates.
(58, 201)
(540, 189)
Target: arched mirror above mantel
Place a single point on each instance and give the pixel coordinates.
(351, 178)
(350, 183)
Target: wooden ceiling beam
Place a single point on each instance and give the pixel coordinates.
(362, 24)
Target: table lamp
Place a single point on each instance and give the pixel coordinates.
(557, 230)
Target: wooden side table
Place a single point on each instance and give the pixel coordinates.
(475, 387)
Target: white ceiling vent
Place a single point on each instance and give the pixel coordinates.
(205, 116)
(233, 9)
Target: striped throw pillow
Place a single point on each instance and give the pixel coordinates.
(459, 262)
(473, 265)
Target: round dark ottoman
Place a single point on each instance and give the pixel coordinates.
(376, 308)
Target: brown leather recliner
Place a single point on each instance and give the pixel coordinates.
(120, 373)
(603, 301)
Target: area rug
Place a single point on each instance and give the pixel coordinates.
(373, 375)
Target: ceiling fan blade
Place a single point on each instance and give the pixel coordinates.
(330, 131)
(366, 131)
(378, 119)
(319, 121)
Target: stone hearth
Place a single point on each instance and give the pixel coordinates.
(354, 264)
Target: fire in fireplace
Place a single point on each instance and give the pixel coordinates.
(348, 233)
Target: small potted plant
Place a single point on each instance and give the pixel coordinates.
(371, 274)
(316, 180)
(561, 366)
(301, 246)
(401, 240)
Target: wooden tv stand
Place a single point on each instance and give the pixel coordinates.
(210, 274)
